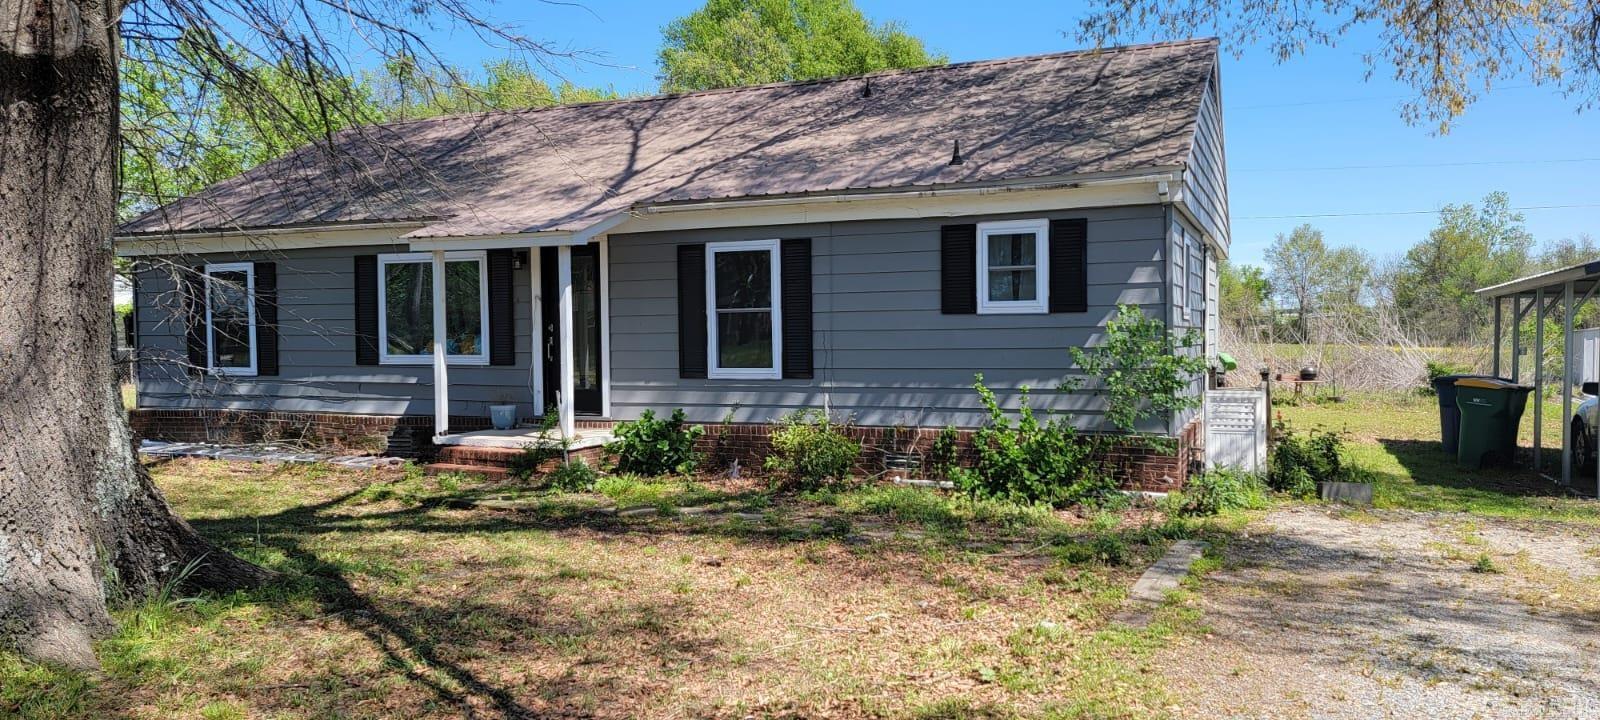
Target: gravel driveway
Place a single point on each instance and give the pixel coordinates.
(1322, 613)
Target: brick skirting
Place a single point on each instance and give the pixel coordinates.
(1138, 466)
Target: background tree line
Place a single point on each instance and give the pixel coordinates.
(1428, 289)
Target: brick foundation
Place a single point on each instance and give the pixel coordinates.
(1139, 467)
(405, 435)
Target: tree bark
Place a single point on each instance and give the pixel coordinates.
(80, 520)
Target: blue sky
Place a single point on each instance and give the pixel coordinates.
(1294, 131)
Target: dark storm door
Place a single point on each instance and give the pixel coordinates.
(586, 317)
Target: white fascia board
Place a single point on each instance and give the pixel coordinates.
(265, 240)
(494, 242)
(928, 204)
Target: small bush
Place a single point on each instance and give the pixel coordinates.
(573, 476)
(944, 455)
(650, 446)
(1437, 369)
(534, 455)
(1301, 460)
(809, 451)
(1221, 489)
(1031, 462)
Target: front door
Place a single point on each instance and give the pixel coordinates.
(586, 314)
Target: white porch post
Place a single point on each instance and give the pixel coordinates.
(441, 374)
(536, 281)
(565, 411)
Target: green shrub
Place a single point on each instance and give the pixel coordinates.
(1301, 460)
(650, 446)
(573, 476)
(1439, 369)
(534, 455)
(809, 451)
(944, 455)
(1220, 489)
(1031, 462)
(1146, 370)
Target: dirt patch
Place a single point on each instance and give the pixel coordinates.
(1323, 613)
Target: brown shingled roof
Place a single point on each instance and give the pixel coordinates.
(565, 168)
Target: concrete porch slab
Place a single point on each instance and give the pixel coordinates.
(516, 438)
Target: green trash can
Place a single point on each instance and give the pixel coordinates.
(1491, 412)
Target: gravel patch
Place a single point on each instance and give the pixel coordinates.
(1321, 613)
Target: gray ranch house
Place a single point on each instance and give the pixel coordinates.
(863, 245)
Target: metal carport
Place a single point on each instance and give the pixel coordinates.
(1557, 293)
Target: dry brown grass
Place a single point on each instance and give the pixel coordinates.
(399, 603)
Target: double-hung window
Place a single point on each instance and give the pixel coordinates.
(744, 339)
(1013, 266)
(231, 318)
(405, 303)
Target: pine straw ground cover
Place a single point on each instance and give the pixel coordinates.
(402, 598)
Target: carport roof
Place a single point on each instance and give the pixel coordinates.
(1585, 274)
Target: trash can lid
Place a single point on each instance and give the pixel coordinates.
(1488, 383)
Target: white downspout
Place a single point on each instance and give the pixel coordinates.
(441, 373)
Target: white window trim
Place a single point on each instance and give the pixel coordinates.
(1040, 227)
(713, 371)
(384, 357)
(249, 270)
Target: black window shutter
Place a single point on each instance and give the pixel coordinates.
(366, 309)
(1069, 266)
(502, 311)
(691, 311)
(266, 318)
(194, 304)
(795, 264)
(958, 269)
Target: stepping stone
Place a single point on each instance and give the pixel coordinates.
(639, 511)
(1161, 578)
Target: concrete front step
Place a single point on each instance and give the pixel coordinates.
(492, 473)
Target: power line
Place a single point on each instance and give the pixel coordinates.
(1392, 166)
(1399, 212)
(1339, 101)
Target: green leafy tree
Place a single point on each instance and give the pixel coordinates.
(1144, 370)
(1244, 294)
(1472, 247)
(1298, 263)
(729, 43)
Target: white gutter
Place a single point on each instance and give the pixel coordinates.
(285, 230)
(908, 194)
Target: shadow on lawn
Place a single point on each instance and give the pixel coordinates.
(1428, 464)
(424, 639)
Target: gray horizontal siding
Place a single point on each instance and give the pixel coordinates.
(316, 294)
(1207, 179)
(884, 354)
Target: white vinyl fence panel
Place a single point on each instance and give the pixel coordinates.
(1236, 429)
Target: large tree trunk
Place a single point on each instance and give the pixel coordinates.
(79, 518)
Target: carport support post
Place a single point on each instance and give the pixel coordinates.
(1567, 384)
(1499, 302)
(1538, 379)
(1516, 338)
